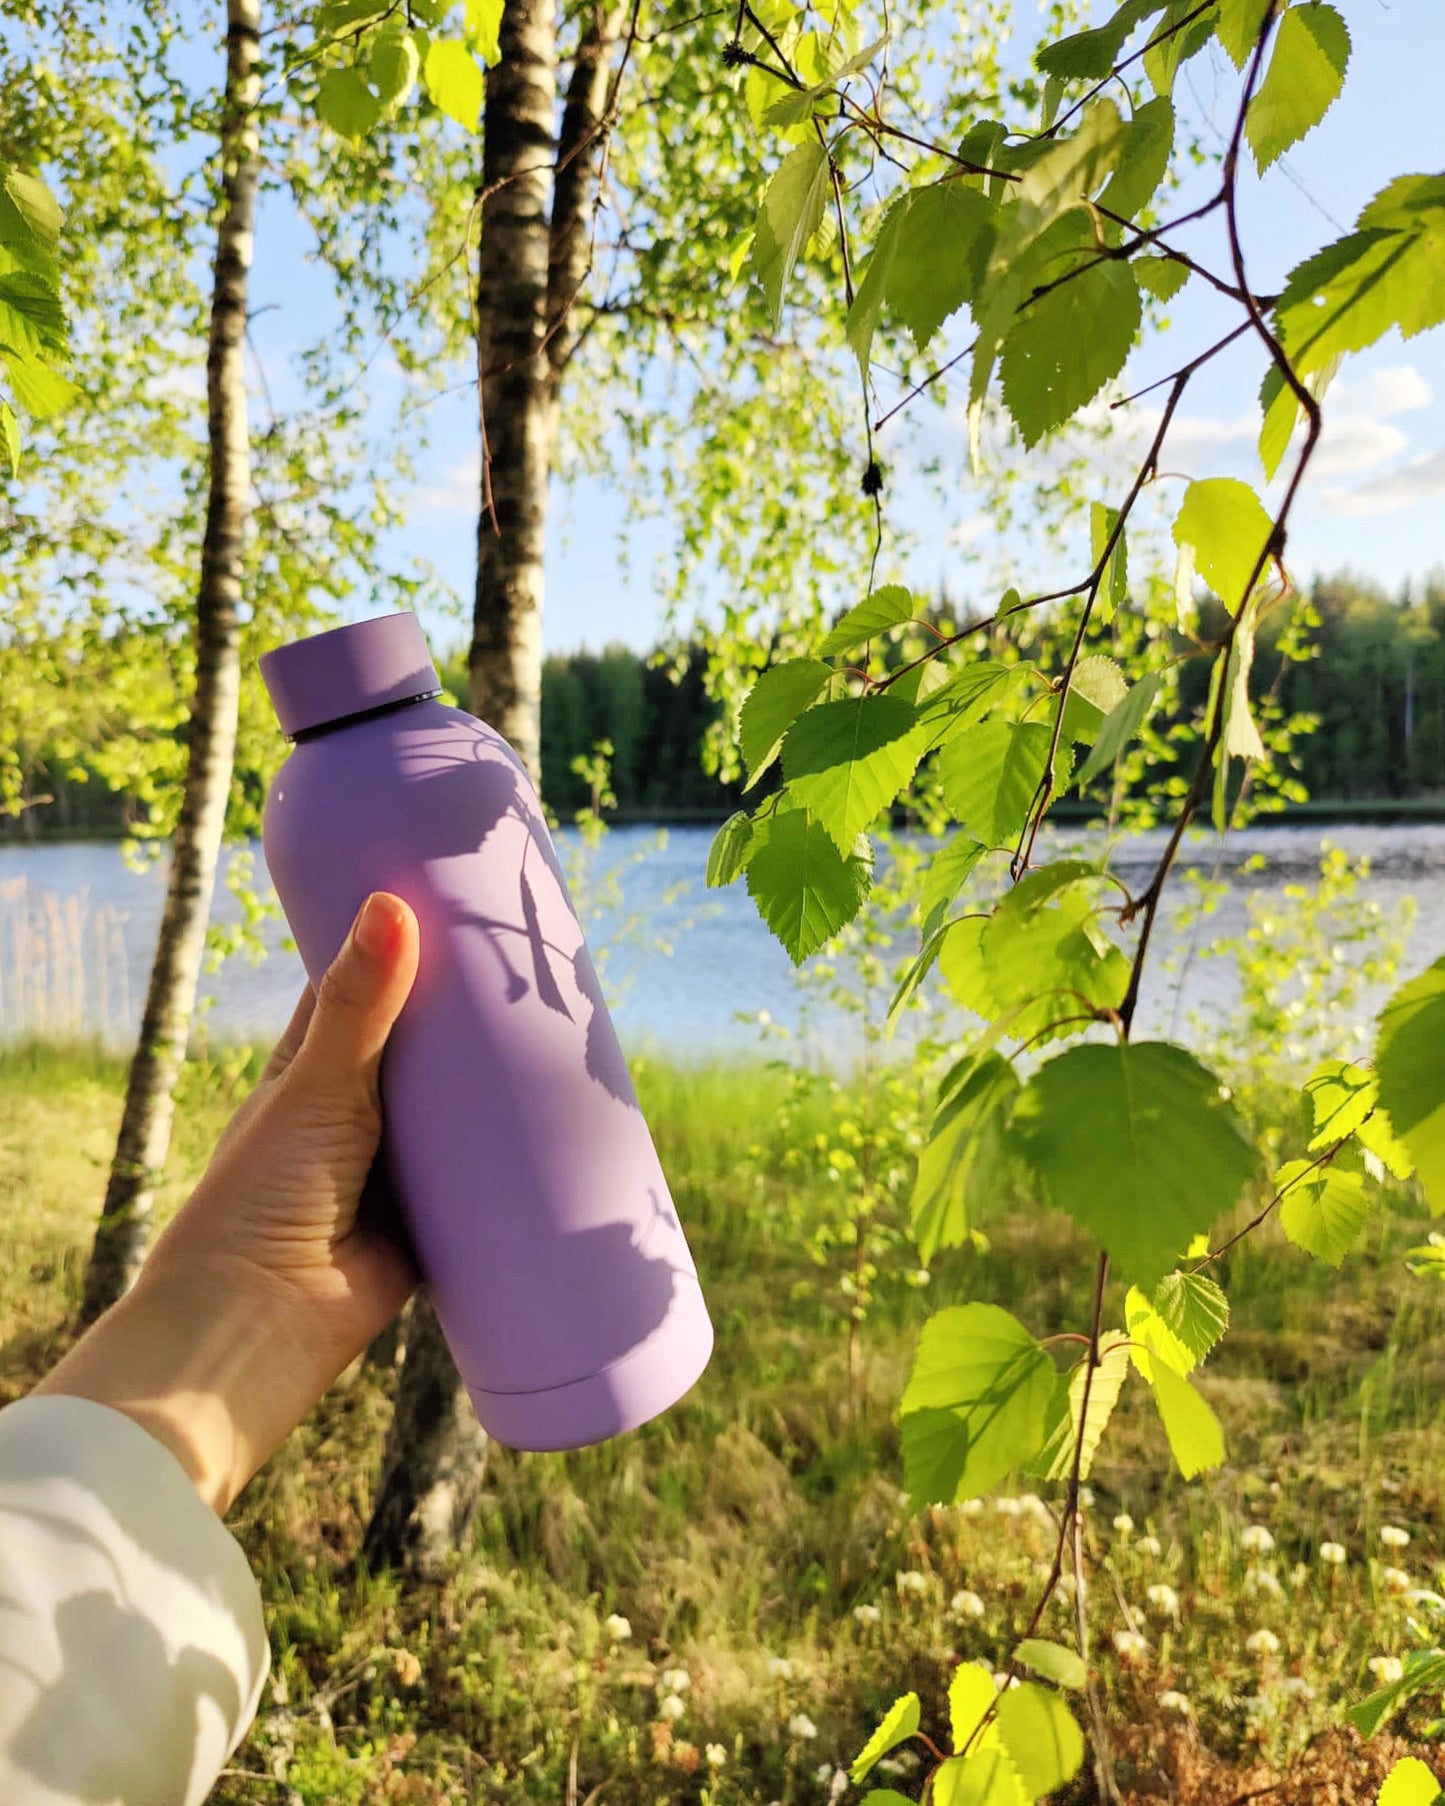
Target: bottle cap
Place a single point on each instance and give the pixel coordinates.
(351, 670)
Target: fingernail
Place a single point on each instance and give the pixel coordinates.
(378, 923)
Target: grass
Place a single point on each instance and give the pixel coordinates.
(776, 1592)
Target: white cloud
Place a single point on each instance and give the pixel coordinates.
(1421, 481)
(455, 495)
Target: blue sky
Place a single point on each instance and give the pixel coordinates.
(1375, 501)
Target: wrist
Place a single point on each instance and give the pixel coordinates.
(208, 1361)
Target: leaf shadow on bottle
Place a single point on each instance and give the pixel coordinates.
(470, 794)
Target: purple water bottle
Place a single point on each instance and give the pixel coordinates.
(520, 1159)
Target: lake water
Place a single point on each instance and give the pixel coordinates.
(77, 930)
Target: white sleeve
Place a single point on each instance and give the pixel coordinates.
(132, 1647)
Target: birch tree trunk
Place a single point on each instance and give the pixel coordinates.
(533, 267)
(145, 1131)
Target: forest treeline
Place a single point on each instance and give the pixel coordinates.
(1375, 686)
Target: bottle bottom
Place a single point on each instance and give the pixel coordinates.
(641, 1386)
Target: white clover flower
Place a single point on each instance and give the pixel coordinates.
(1396, 1580)
(1298, 1574)
(1124, 1524)
(618, 1628)
(866, 1614)
(1150, 1546)
(966, 1604)
(822, 1774)
(1393, 1537)
(780, 1668)
(1066, 1586)
(1297, 1687)
(1086, 1497)
(1009, 1508)
(1256, 1540)
(1171, 1701)
(909, 1580)
(1130, 1645)
(671, 1706)
(972, 1507)
(1262, 1643)
(1334, 1555)
(901, 1762)
(838, 1786)
(1257, 1706)
(1164, 1600)
(802, 1728)
(1031, 1505)
(1386, 1669)
(1004, 1682)
(1262, 1580)
(715, 1755)
(674, 1680)
(904, 1497)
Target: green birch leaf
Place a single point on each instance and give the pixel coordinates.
(1138, 1144)
(1184, 589)
(1194, 1310)
(1341, 1095)
(1072, 169)
(1143, 161)
(1377, 1136)
(1410, 1783)
(1066, 345)
(1305, 75)
(900, 1722)
(731, 849)
(1101, 681)
(885, 608)
(942, 240)
(1384, 274)
(1226, 523)
(984, 1777)
(346, 104)
(1281, 411)
(805, 889)
(949, 870)
(885, 1796)
(1114, 584)
(918, 970)
(1195, 1439)
(1090, 55)
(1180, 34)
(1411, 1072)
(991, 773)
(971, 1694)
(41, 391)
(1043, 1741)
(30, 219)
(969, 694)
(483, 20)
(1064, 1667)
(394, 64)
(1238, 25)
(846, 761)
(791, 213)
(1120, 727)
(10, 437)
(772, 706)
(963, 1158)
(1074, 1424)
(1163, 277)
(454, 81)
(1152, 1337)
(32, 319)
(1239, 737)
(1323, 1210)
(976, 1405)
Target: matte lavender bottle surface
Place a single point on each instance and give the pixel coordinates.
(521, 1160)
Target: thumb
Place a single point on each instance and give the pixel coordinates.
(360, 996)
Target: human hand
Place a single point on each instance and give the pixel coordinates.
(269, 1282)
